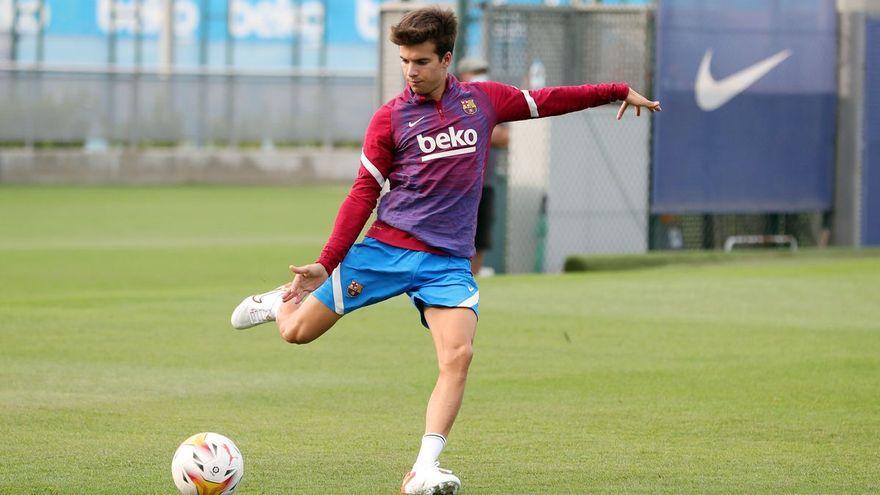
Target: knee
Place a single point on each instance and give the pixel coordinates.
(456, 360)
(295, 331)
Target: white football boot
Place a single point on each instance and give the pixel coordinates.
(257, 309)
(430, 480)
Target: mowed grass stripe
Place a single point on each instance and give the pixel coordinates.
(148, 243)
(748, 377)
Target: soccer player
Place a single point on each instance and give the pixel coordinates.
(430, 143)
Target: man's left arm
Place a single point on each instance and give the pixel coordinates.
(511, 103)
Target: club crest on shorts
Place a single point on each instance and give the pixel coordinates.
(469, 106)
(355, 288)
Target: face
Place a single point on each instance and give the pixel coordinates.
(424, 70)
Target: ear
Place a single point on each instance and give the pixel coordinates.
(446, 61)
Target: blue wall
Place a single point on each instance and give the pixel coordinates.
(750, 92)
(266, 34)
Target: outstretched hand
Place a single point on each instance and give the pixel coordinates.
(638, 101)
(306, 279)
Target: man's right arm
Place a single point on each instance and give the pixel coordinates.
(376, 164)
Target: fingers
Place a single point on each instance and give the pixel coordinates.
(299, 270)
(305, 280)
(300, 294)
(296, 295)
(296, 292)
(652, 106)
(291, 290)
(622, 110)
(300, 274)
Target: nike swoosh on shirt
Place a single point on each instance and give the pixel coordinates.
(712, 94)
(416, 122)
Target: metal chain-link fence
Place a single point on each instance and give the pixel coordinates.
(712, 231)
(106, 107)
(577, 183)
(391, 81)
(575, 45)
(580, 184)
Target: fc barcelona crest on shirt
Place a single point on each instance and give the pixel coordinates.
(354, 288)
(469, 106)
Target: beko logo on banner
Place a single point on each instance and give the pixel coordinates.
(712, 94)
(455, 142)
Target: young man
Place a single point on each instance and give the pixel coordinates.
(431, 144)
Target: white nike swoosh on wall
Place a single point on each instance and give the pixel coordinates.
(712, 94)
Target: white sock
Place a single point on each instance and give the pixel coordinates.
(432, 445)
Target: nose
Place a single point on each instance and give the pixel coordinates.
(411, 70)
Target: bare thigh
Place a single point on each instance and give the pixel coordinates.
(453, 331)
(305, 322)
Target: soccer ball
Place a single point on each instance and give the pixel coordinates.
(207, 464)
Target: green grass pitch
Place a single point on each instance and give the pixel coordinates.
(746, 377)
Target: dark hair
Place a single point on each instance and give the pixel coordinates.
(427, 24)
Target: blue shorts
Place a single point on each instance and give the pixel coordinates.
(374, 271)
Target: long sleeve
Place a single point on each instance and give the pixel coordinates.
(375, 165)
(512, 104)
